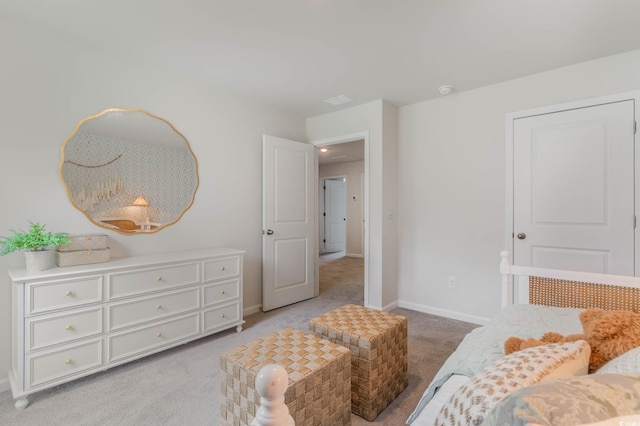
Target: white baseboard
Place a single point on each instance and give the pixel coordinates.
(390, 306)
(360, 256)
(386, 308)
(4, 384)
(251, 310)
(444, 313)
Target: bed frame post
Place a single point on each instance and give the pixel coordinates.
(505, 270)
(271, 384)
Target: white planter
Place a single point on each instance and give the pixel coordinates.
(39, 260)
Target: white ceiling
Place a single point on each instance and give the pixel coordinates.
(296, 53)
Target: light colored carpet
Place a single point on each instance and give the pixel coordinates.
(180, 386)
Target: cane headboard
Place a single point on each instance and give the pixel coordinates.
(554, 287)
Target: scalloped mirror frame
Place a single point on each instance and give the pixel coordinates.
(107, 182)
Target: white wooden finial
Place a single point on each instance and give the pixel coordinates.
(271, 384)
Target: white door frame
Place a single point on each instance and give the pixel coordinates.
(350, 138)
(510, 117)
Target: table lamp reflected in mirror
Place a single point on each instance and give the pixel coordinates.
(141, 202)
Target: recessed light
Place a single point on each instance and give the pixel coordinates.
(338, 100)
(324, 149)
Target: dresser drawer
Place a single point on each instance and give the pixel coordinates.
(148, 338)
(52, 295)
(221, 268)
(139, 310)
(54, 329)
(221, 292)
(154, 279)
(60, 364)
(219, 317)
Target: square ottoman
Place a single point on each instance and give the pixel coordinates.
(319, 372)
(378, 344)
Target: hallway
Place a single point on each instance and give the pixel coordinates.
(342, 278)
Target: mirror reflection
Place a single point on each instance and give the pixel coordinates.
(129, 171)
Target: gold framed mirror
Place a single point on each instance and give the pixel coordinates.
(129, 171)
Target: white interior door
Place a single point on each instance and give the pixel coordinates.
(334, 215)
(573, 189)
(321, 238)
(289, 246)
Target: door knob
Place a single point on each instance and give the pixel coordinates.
(269, 232)
(522, 236)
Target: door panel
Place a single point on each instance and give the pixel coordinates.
(580, 260)
(289, 222)
(290, 262)
(574, 189)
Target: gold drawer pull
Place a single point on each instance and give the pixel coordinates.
(221, 315)
(222, 268)
(87, 237)
(222, 292)
(159, 307)
(87, 252)
(67, 361)
(69, 293)
(69, 327)
(159, 279)
(159, 334)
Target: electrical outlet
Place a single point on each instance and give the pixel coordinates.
(452, 282)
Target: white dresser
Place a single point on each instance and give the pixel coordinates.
(74, 321)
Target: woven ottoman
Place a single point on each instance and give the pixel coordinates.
(378, 344)
(319, 372)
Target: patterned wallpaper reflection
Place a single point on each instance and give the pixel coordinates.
(104, 176)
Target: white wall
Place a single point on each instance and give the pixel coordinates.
(451, 181)
(353, 171)
(48, 85)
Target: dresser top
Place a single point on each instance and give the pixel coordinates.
(21, 274)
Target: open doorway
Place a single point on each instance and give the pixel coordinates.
(342, 193)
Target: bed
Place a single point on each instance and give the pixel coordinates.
(534, 301)
(127, 225)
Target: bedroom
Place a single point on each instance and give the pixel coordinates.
(450, 163)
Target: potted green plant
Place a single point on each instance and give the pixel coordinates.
(34, 243)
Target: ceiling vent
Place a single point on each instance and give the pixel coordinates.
(338, 100)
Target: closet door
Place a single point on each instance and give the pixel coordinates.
(573, 189)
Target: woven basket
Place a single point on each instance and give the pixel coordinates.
(377, 341)
(319, 372)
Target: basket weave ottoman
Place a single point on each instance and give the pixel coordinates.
(378, 344)
(319, 372)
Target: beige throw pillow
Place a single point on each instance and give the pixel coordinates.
(472, 401)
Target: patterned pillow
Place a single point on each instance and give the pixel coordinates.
(594, 399)
(628, 362)
(472, 401)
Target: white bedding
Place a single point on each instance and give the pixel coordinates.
(432, 409)
(485, 345)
